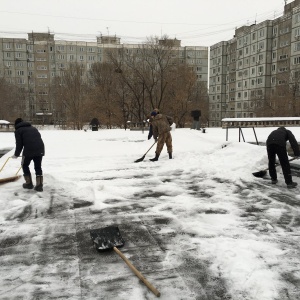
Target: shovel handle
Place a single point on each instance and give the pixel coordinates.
(137, 273)
(150, 148)
(5, 163)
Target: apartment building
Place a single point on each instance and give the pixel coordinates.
(33, 63)
(247, 69)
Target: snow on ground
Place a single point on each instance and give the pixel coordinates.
(199, 226)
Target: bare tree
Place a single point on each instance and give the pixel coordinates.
(12, 100)
(284, 100)
(103, 79)
(71, 95)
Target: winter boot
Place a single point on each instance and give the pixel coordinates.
(170, 155)
(155, 158)
(39, 183)
(28, 182)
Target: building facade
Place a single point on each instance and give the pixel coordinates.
(32, 64)
(247, 70)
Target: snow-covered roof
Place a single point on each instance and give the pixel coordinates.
(4, 122)
(261, 119)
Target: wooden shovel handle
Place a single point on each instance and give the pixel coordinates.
(137, 273)
(5, 164)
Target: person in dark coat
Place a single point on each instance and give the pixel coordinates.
(276, 145)
(161, 126)
(150, 133)
(29, 140)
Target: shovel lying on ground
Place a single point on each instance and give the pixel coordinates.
(12, 178)
(110, 238)
(262, 173)
(142, 158)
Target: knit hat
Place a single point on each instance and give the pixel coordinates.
(154, 113)
(17, 121)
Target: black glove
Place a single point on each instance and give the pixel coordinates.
(149, 136)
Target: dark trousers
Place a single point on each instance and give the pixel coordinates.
(37, 160)
(274, 150)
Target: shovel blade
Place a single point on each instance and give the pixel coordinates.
(260, 174)
(140, 159)
(9, 179)
(107, 238)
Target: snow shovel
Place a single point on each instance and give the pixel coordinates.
(12, 178)
(262, 173)
(110, 238)
(142, 158)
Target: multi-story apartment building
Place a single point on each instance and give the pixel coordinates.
(247, 69)
(33, 63)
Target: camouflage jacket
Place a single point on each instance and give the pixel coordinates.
(161, 124)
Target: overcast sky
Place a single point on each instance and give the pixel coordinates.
(194, 22)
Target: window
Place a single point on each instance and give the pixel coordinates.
(18, 46)
(81, 57)
(81, 49)
(7, 46)
(20, 80)
(7, 54)
(285, 56)
(261, 45)
(261, 32)
(297, 46)
(61, 48)
(20, 73)
(284, 43)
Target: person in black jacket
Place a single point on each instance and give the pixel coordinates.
(29, 140)
(150, 133)
(276, 144)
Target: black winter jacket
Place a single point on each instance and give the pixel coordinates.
(29, 140)
(280, 136)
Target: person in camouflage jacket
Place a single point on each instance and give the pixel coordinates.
(161, 127)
